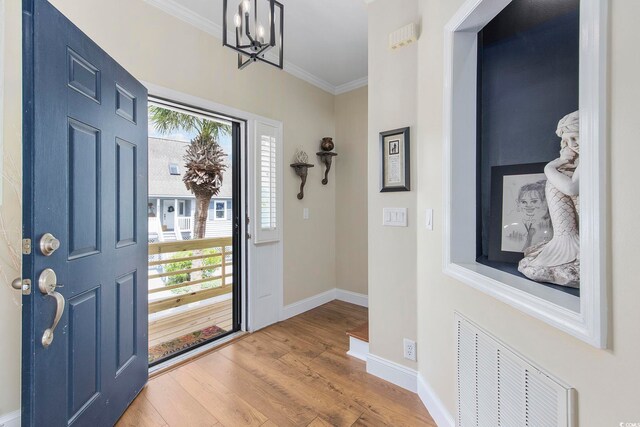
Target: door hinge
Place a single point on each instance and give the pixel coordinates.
(26, 246)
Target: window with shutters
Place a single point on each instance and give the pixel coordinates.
(267, 147)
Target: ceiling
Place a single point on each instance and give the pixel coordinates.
(325, 41)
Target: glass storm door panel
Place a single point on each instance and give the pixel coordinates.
(194, 271)
(85, 210)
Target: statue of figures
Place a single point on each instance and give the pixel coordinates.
(558, 260)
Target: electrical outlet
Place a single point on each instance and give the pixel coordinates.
(410, 349)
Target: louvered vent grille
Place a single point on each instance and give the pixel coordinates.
(497, 387)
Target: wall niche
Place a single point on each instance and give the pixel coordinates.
(524, 112)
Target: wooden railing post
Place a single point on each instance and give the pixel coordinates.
(223, 261)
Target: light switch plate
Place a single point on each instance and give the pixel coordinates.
(394, 217)
(305, 213)
(429, 219)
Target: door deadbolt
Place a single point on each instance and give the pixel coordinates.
(49, 244)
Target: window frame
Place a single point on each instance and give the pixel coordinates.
(171, 166)
(224, 210)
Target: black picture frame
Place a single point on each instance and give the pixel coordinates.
(399, 141)
(496, 224)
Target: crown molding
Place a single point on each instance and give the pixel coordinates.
(353, 85)
(303, 74)
(187, 15)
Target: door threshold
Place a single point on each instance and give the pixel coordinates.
(194, 354)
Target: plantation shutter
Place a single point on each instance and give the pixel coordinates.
(267, 227)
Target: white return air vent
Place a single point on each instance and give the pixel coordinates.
(497, 387)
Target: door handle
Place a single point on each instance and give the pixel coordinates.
(23, 285)
(17, 284)
(47, 283)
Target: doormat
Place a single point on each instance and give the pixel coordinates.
(169, 348)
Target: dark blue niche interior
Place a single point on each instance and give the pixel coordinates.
(528, 75)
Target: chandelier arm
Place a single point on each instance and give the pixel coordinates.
(243, 65)
(247, 32)
(240, 51)
(255, 16)
(272, 15)
(265, 49)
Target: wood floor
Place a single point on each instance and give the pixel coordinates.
(294, 373)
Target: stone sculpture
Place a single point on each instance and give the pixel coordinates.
(558, 260)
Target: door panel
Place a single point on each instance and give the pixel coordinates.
(85, 168)
(126, 158)
(84, 189)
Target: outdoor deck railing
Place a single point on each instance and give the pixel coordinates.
(190, 271)
(184, 223)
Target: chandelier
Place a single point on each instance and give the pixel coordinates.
(258, 31)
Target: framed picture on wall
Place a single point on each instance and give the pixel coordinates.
(519, 211)
(395, 169)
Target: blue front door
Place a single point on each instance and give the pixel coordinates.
(85, 198)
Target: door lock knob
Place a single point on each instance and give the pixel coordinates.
(49, 244)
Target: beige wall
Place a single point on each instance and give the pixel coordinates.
(392, 261)
(10, 214)
(351, 191)
(607, 381)
(162, 50)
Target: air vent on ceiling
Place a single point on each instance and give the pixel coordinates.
(497, 387)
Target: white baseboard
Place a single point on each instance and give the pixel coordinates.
(411, 380)
(352, 297)
(434, 405)
(11, 419)
(393, 372)
(310, 303)
(358, 348)
(307, 304)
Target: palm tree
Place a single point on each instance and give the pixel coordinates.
(204, 157)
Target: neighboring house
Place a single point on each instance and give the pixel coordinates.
(171, 207)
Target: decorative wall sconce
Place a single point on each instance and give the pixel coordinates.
(326, 156)
(301, 166)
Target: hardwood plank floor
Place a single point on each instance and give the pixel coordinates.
(294, 373)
